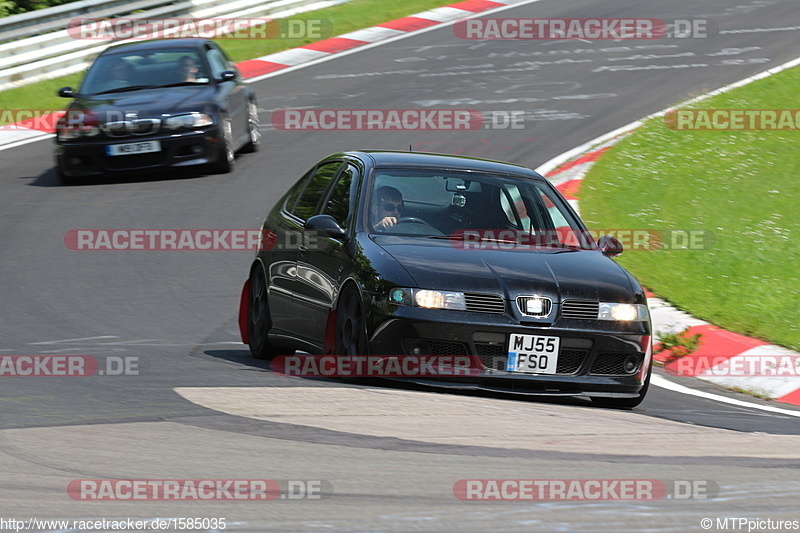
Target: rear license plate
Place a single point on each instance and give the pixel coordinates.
(533, 354)
(143, 147)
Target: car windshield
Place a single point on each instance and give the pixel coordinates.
(143, 70)
(471, 206)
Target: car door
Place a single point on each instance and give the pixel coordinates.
(306, 285)
(324, 261)
(233, 93)
(282, 230)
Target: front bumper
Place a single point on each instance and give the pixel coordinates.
(186, 149)
(591, 361)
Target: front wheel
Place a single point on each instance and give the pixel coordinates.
(225, 151)
(351, 328)
(625, 403)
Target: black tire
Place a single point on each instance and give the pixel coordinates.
(351, 328)
(625, 403)
(258, 317)
(255, 134)
(64, 179)
(225, 153)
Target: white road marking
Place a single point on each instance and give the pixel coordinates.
(566, 156)
(659, 381)
(389, 40)
(79, 339)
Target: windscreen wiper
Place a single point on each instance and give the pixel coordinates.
(129, 88)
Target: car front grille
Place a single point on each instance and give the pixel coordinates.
(580, 309)
(127, 128)
(546, 306)
(433, 347)
(613, 364)
(492, 356)
(569, 361)
(485, 303)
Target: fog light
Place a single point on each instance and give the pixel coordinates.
(197, 149)
(631, 364)
(420, 348)
(75, 161)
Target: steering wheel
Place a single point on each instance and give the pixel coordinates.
(411, 220)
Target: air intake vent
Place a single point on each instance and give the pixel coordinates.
(580, 309)
(485, 303)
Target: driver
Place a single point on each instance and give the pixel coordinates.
(387, 208)
(189, 69)
(118, 75)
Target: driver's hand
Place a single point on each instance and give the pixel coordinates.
(385, 224)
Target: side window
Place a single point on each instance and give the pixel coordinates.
(217, 62)
(514, 208)
(294, 192)
(306, 206)
(340, 204)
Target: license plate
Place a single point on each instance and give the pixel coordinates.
(142, 147)
(534, 354)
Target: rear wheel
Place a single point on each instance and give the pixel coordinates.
(255, 134)
(63, 178)
(258, 318)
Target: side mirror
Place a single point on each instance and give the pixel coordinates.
(326, 224)
(610, 246)
(228, 75)
(66, 92)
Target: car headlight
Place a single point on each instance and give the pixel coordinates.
(70, 132)
(623, 312)
(189, 120)
(429, 299)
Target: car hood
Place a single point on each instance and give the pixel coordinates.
(149, 102)
(561, 274)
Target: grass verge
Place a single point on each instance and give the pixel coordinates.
(342, 18)
(742, 186)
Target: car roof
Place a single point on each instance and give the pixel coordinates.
(157, 44)
(388, 158)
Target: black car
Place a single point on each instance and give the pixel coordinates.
(172, 103)
(400, 253)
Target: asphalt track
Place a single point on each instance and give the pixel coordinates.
(200, 408)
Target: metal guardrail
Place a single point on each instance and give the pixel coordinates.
(54, 18)
(39, 47)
